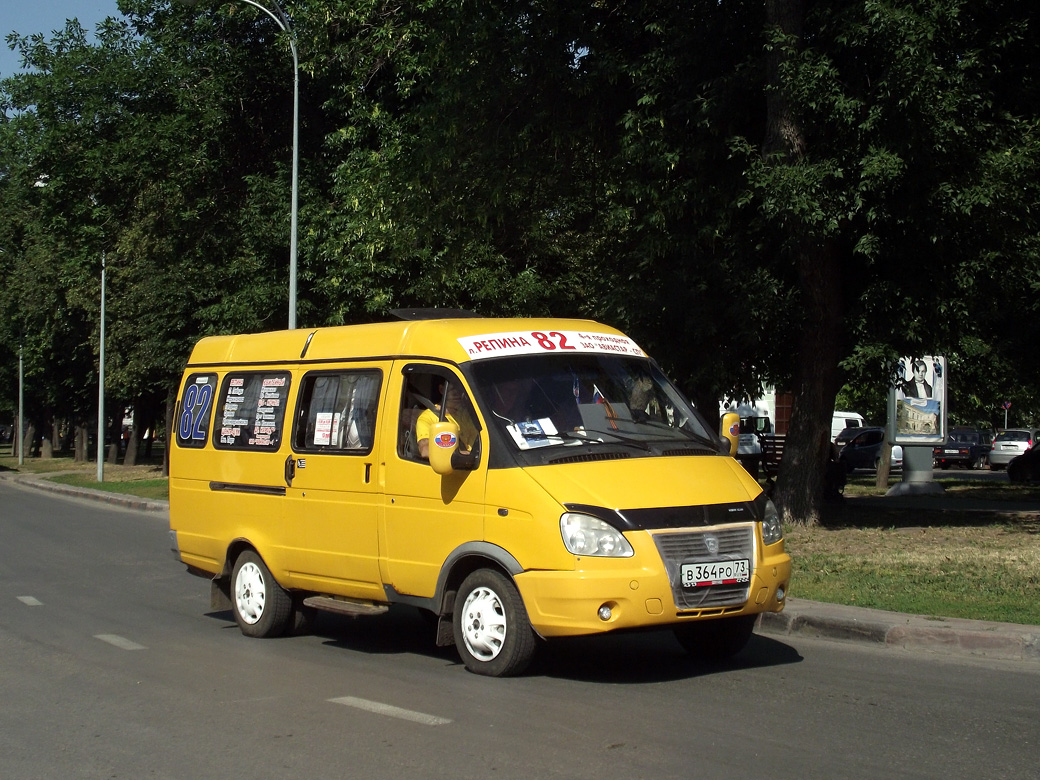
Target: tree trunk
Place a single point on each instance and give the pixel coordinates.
(130, 456)
(800, 484)
(115, 432)
(30, 441)
(47, 444)
(171, 406)
(81, 444)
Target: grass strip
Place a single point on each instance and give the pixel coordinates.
(152, 489)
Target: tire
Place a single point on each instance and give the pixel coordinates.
(492, 632)
(302, 619)
(261, 607)
(716, 640)
(1015, 472)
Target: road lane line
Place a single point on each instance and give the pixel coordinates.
(389, 710)
(120, 642)
(29, 601)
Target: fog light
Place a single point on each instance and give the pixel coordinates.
(780, 593)
(604, 612)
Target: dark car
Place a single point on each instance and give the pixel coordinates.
(864, 451)
(964, 447)
(1025, 468)
(846, 436)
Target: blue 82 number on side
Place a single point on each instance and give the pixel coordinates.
(198, 399)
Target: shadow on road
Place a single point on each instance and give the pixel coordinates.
(627, 658)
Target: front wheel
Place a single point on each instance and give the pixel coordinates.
(492, 632)
(261, 607)
(718, 639)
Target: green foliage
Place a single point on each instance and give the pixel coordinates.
(613, 160)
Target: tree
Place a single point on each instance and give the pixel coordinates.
(900, 142)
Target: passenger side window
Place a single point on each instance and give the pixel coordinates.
(337, 412)
(251, 410)
(193, 410)
(423, 402)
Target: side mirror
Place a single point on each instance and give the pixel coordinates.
(729, 430)
(444, 441)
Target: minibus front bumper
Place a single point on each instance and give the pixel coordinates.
(602, 595)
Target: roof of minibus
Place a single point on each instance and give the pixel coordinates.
(433, 338)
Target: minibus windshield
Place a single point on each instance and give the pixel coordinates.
(561, 400)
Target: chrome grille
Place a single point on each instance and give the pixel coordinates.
(737, 541)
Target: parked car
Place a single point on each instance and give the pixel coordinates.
(964, 447)
(863, 451)
(1025, 467)
(1010, 444)
(845, 436)
(841, 421)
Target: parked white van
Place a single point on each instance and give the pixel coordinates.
(842, 420)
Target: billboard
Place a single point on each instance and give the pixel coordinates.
(917, 402)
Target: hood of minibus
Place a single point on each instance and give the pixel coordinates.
(638, 483)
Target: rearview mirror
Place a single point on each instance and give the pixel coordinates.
(444, 440)
(729, 430)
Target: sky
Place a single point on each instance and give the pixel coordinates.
(43, 16)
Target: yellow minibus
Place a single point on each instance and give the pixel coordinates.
(517, 479)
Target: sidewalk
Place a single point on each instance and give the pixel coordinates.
(951, 636)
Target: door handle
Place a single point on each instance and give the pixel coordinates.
(290, 470)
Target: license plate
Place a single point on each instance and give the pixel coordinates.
(699, 575)
(952, 452)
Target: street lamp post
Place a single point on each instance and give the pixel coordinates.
(21, 407)
(282, 20)
(101, 384)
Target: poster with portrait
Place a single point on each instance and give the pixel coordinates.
(918, 400)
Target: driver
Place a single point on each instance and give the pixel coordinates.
(454, 409)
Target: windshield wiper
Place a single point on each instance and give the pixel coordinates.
(618, 439)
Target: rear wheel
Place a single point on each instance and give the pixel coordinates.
(716, 640)
(261, 607)
(492, 632)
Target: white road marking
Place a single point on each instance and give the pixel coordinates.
(394, 712)
(29, 601)
(120, 642)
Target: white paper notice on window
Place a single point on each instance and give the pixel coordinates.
(323, 428)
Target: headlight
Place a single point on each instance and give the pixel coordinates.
(772, 532)
(586, 535)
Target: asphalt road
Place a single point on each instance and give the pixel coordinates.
(112, 666)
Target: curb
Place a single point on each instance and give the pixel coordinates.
(117, 499)
(950, 636)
